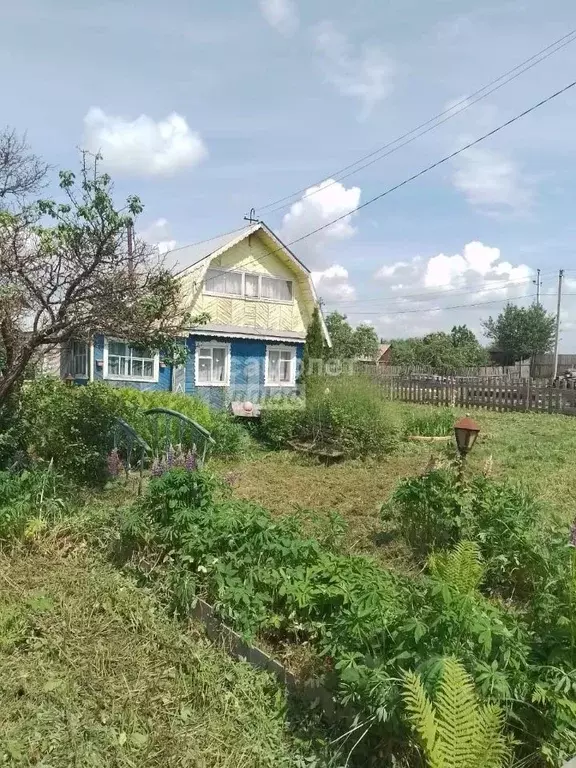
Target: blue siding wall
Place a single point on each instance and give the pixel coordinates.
(164, 377)
(247, 363)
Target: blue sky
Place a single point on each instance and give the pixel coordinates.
(208, 109)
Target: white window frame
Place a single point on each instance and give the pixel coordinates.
(243, 295)
(210, 345)
(121, 377)
(293, 361)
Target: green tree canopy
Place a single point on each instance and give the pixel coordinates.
(519, 333)
(69, 270)
(351, 343)
(442, 352)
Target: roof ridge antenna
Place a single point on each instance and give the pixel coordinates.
(252, 217)
(253, 220)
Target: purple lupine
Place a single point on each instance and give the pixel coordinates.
(156, 469)
(114, 463)
(170, 457)
(573, 534)
(191, 463)
(179, 458)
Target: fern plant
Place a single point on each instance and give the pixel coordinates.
(455, 730)
(461, 568)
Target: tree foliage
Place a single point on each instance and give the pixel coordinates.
(443, 352)
(520, 332)
(67, 270)
(315, 347)
(351, 343)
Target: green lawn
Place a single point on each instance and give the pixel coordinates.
(537, 450)
(93, 673)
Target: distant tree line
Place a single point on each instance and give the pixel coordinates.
(517, 333)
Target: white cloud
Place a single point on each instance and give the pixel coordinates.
(318, 206)
(479, 268)
(364, 74)
(464, 280)
(490, 180)
(332, 283)
(280, 14)
(158, 235)
(143, 146)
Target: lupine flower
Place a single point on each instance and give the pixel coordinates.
(573, 534)
(170, 457)
(114, 463)
(191, 462)
(158, 468)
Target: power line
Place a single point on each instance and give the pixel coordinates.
(438, 162)
(424, 310)
(420, 173)
(433, 122)
(454, 306)
(494, 285)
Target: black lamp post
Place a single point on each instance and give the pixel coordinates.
(466, 431)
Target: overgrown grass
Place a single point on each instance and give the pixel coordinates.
(535, 450)
(93, 673)
(430, 422)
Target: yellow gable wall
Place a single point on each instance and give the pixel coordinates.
(254, 254)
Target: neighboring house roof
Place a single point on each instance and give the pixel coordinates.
(210, 249)
(382, 350)
(247, 332)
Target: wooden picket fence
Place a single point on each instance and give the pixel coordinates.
(492, 394)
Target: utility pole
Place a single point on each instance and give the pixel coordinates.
(557, 336)
(537, 283)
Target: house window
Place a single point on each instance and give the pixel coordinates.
(251, 286)
(276, 289)
(123, 360)
(79, 363)
(248, 285)
(218, 281)
(212, 365)
(280, 367)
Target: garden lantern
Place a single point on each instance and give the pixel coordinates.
(466, 432)
(69, 380)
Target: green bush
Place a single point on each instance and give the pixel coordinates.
(427, 511)
(71, 426)
(430, 422)
(280, 421)
(350, 414)
(230, 437)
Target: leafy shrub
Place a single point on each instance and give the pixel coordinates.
(230, 437)
(280, 421)
(13, 435)
(430, 422)
(507, 522)
(350, 414)
(427, 511)
(71, 426)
